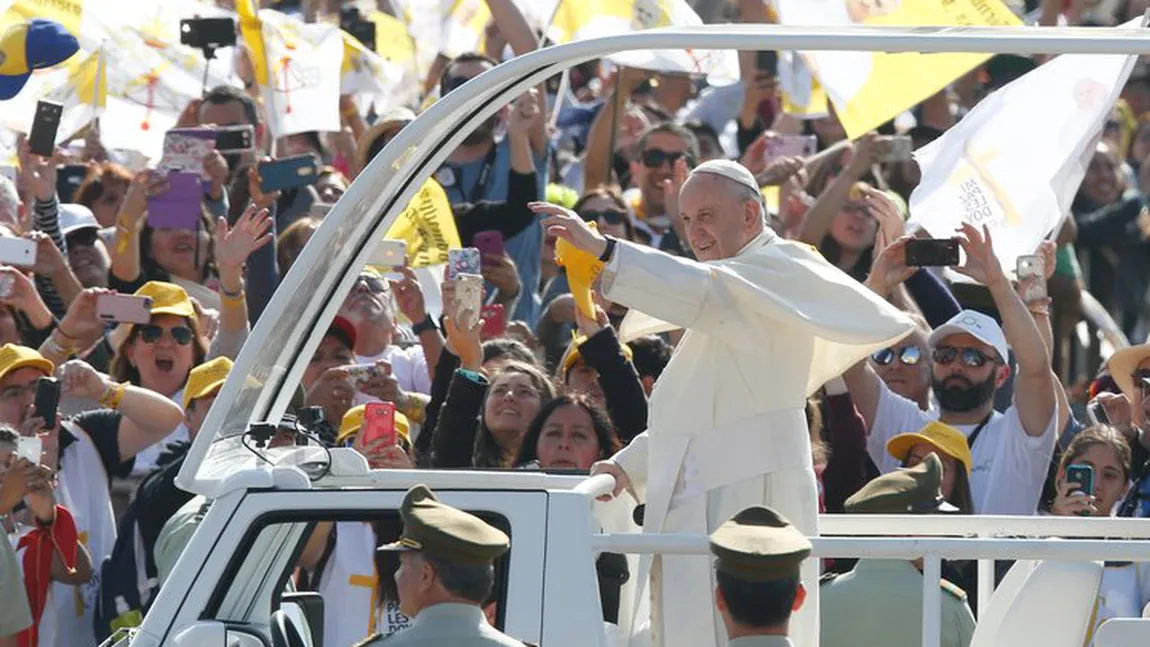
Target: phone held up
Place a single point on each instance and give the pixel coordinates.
(379, 424)
(47, 400)
(1083, 475)
(463, 261)
(42, 137)
(288, 173)
(1032, 270)
(124, 308)
(932, 252)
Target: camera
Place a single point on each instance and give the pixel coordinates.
(208, 34)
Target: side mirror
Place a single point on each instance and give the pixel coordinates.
(203, 633)
(306, 609)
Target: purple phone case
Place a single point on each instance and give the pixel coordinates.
(179, 207)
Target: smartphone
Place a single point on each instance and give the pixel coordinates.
(235, 139)
(895, 148)
(42, 139)
(389, 253)
(208, 33)
(768, 61)
(379, 422)
(790, 146)
(1096, 414)
(360, 374)
(29, 449)
(1033, 267)
(494, 321)
(69, 177)
(463, 261)
(124, 308)
(185, 150)
(180, 206)
(932, 252)
(47, 400)
(20, 252)
(1083, 475)
(489, 242)
(288, 173)
(469, 297)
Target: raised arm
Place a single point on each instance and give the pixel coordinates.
(522, 39)
(1034, 386)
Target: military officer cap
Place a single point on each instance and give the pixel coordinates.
(446, 532)
(912, 490)
(759, 545)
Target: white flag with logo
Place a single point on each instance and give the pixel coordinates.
(305, 63)
(1014, 163)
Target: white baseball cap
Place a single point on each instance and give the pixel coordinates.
(736, 173)
(982, 327)
(74, 217)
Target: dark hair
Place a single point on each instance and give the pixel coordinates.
(222, 94)
(466, 57)
(609, 442)
(292, 240)
(468, 581)
(961, 496)
(386, 561)
(150, 268)
(758, 604)
(511, 348)
(122, 370)
(670, 128)
(488, 453)
(1098, 435)
(702, 129)
(313, 140)
(612, 194)
(98, 179)
(650, 354)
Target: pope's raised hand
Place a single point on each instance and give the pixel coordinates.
(566, 224)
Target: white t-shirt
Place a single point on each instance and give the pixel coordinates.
(147, 457)
(1010, 465)
(349, 586)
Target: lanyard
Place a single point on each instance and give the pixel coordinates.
(479, 190)
(977, 430)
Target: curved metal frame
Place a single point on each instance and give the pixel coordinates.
(292, 325)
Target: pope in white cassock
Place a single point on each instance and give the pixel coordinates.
(768, 322)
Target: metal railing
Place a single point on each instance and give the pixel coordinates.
(932, 538)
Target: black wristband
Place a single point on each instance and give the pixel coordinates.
(423, 326)
(608, 250)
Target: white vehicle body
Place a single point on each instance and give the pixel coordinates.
(231, 576)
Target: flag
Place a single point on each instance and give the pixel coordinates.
(870, 88)
(79, 85)
(576, 20)
(428, 226)
(251, 27)
(1015, 161)
(464, 24)
(802, 94)
(304, 84)
(423, 18)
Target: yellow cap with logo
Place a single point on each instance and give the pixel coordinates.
(206, 379)
(14, 356)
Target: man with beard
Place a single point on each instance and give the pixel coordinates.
(1011, 450)
(480, 169)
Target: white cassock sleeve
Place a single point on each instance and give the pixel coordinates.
(633, 460)
(780, 286)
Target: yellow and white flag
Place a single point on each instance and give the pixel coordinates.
(1015, 161)
(870, 88)
(803, 95)
(422, 18)
(582, 19)
(305, 63)
(428, 226)
(464, 24)
(79, 85)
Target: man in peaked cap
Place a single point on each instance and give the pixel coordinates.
(446, 573)
(758, 554)
(861, 607)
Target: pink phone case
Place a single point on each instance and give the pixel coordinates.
(124, 308)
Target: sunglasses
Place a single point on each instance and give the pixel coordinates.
(909, 356)
(609, 216)
(151, 334)
(372, 284)
(971, 357)
(83, 238)
(655, 157)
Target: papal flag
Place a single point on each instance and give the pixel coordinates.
(803, 95)
(305, 63)
(870, 88)
(464, 23)
(576, 20)
(1014, 163)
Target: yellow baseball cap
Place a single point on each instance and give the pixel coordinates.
(206, 379)
(167, 299)
(13, 357)
(572, 355)
(942, 437)
(353, 421)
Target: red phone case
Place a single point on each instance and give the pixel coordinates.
(494, 321)
(379, 422)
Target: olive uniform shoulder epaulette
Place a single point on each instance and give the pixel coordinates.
(954, 590)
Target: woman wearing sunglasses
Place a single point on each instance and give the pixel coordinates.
(605, 207)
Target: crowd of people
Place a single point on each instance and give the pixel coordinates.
(984, 391)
